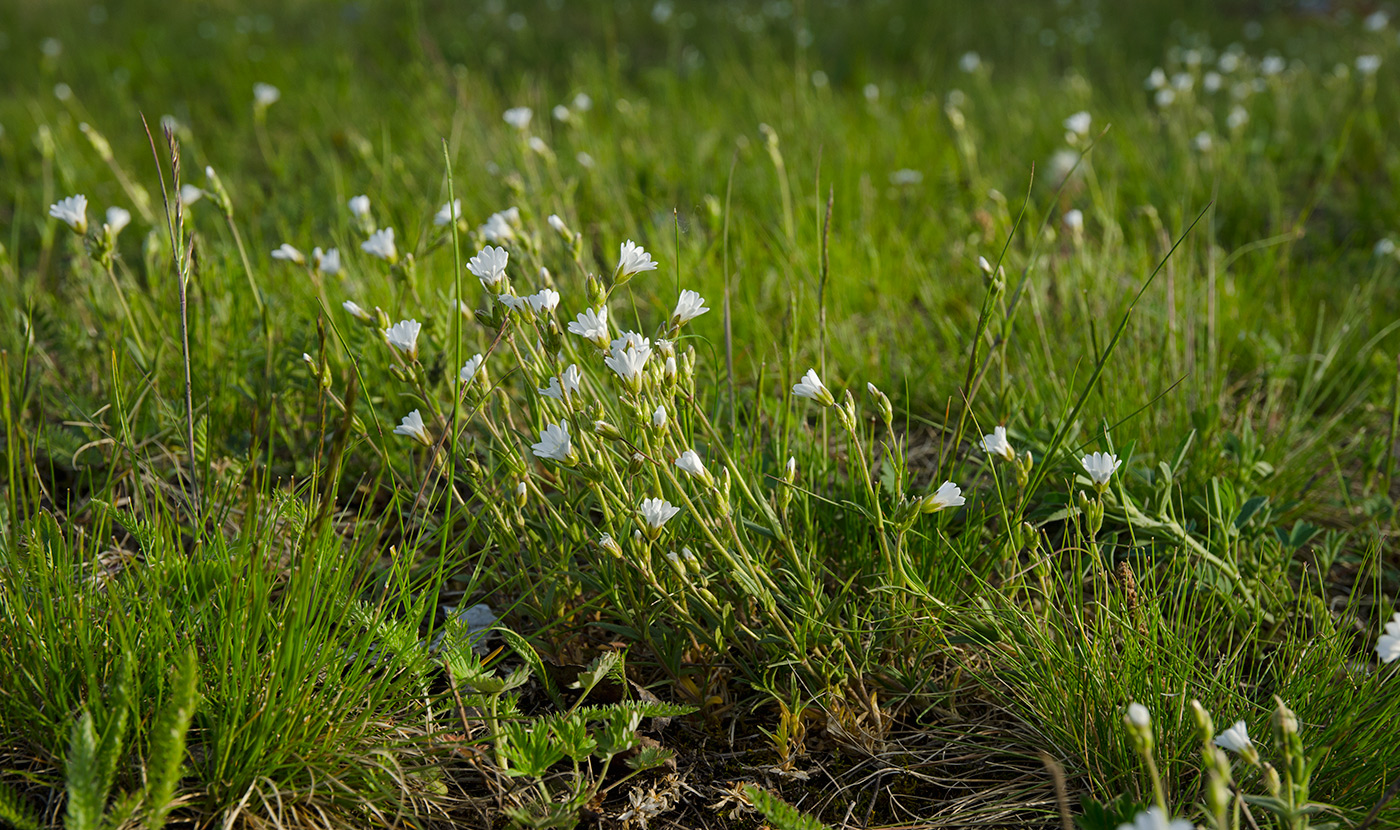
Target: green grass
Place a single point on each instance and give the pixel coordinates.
(1223, 323)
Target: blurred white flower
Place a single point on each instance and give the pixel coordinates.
(1388, 646)
(359, 206)
(690, 462)
(1385, 247)
(1237, 118)
(1064, 163)
(872, 93)
(1100, 466)
(584, 159)
(189, 194)
(287, 253)
(538, 145)
(265, 95)
(1139, 716)
(970, 62)
(513, 302)
(631, 339)
(72, 211)
(403, 336)
(1079, 123)
(1211, 82)
(1236, 739)
(1156, 80)
(905, 177)
(355, 311)
(496, 229)
(1368, 64)
(117, 218)
(327, 262)
(1164, 97)
(554, 443)
(658, 418)
(1375, 21)
(518, 117)
(381, 244)
(582, 102)
(592, 325)
(1183, 82)
(543, 301)
(469, 369)
(812, 387)
(947, 495)
(1272, 65)
(489, 266)
(632, 259)
(657, 512)
(1229, 62)
(996, 444)
(559, 227)
(62, 91)
(1154, 819)
(688, 307)
(1073, 220)
(561, 112)
(413, 427)
(449, 212)
(1203, 142)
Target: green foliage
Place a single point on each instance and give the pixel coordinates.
(168, 734)
(781, 814)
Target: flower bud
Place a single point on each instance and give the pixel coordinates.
(596, 294)
(607, 430)
(634, 466)
(790, 471)
(882, 402)
(521, 493)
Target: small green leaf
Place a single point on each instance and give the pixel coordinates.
(782, 815)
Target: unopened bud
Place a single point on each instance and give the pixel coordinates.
(607, 430)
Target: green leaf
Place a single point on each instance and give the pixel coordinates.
(168, 733)
(1248, 510)
(572, 732)
(782, 815)
(596, 671)
(14, 811)
(531, 750)
(86, 798)
(650, 757)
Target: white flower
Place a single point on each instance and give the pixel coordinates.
(359, 206)
(1238, 117)
(189, 194)
(1388, 646)
(355, 311)
(570, 383)
(1203, 142)
(559, 227)
(969, 62)
(584, 159)
(1079, 123)
(413, 427)
(628, 361)
(1182, 82)
(327, 262)
(657, 512)
(469, 369)
(72, 212)
(630, 339)
(117, 218)
(688, 307)
(1272, 65)
(537, 145)
(1164, 97)
(1229, 62)
(561, 112)
(1211, 82)
(513, 302)
(265, 95)
(554, 443)
(1368, 64)
(1236, 739)
(632, 259)
(543, 301)
(690, 462)
(658, 418)
(1385, 247)
(1139, 716)
(812, 387)
(790, 471)
(518, 117)
(1156, 80)
(1073, 220)
(489, 266)
(381, 244)
(670, 367)
(1100, 466)
(582, 102)
(1375, 21)
(288, 253)
(996, 444)
(609, 544)
(591, 325)
(403, 336)
(906, 176)
(496, 229)
(947, 495)
(1154, 819)
(449, 212)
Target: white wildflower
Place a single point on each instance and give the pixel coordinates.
(489, 266)
(658, 418)
(688, 307)
(812, 387)
(359, 206)
(470, 368)
(72, 212)
(403, 336)
(1100, 466)
(355, 311)
(554, 444)
(996, 444)
(450, 212)
(947, 495)
(1388, 645)
(543, 301)
(518, 117)
(287, 253)
(381, 244)
(327, 262)
(265, 95)
(592, 325)
(413, 427)
(656, 513)
(1154, 819)
(632, 259)
(117, 218)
